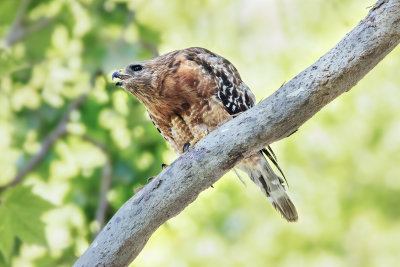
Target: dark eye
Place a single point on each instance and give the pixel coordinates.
(136, 67)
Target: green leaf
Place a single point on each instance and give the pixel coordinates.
(6, 236)
(148, 34)
(20, 212)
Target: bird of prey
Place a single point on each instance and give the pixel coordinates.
(191, 92)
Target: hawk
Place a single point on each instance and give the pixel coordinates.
(192, 91)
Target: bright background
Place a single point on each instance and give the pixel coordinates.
(343, 165)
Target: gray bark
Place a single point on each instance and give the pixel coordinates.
(276, 117)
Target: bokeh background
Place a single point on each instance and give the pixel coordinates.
(74, 147)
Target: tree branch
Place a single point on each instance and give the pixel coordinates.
(59, 131)
(105, 181)
(131, 17)
(274, 118)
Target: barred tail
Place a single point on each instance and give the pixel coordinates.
(271, 184)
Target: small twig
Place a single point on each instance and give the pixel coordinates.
(105, 187)
(18, 31)
(59, 131)
(150, 46)
(16, 27)
(105, 181)
(130, 18)
(19, 17)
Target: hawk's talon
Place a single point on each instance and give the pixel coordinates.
(150, 179)
(186, 147)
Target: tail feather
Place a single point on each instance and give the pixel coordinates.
(271, 184)
(271, 156)
(286, 208)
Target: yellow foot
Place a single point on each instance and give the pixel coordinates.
(188, 145)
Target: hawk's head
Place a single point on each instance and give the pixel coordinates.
(138, 78)
(168, 77)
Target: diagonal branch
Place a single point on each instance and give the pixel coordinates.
(274, 118)
(60, 130)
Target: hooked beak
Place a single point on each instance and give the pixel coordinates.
(121, 76)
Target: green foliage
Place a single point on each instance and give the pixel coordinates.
(342, 165)
(41, 74)
(21, 211)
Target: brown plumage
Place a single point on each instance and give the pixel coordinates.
(192, 91)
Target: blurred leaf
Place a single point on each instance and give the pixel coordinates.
(147, 34)
(20, 211)
(6, 235)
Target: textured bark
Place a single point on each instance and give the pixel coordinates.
(276, 117)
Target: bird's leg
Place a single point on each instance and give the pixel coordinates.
(188, 145)
(163, 166)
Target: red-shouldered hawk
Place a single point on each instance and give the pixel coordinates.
(192, 91)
